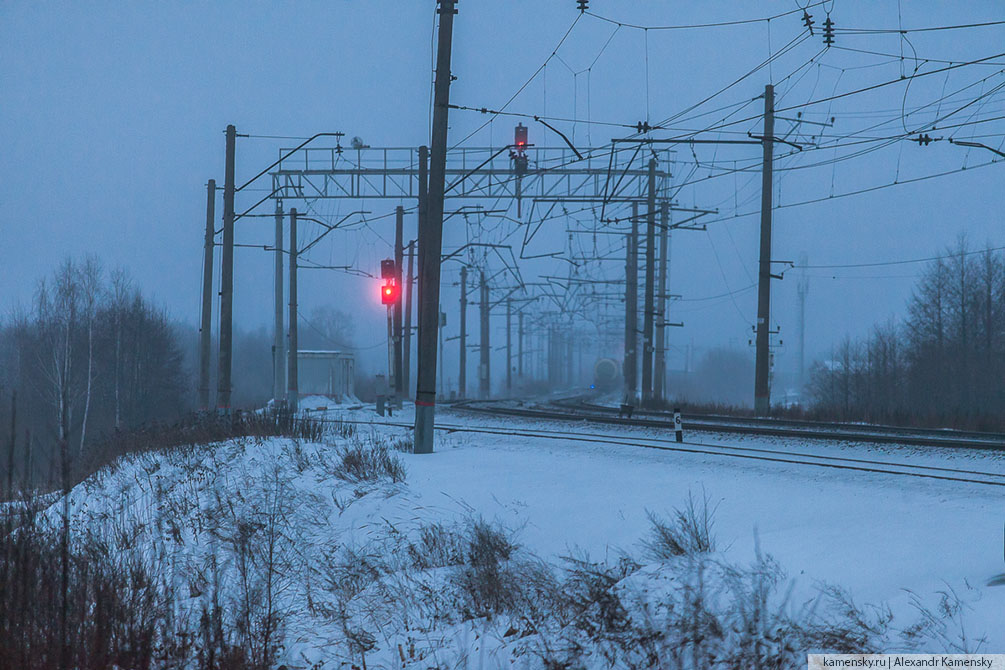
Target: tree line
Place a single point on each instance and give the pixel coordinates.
(89, 356)
(943, 365)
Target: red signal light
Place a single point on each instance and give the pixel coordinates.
(388, 294)
(520, 136)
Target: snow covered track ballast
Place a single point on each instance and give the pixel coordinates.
(729, 451)
(575, 408)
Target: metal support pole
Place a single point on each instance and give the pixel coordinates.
(293, 391)
(484, 383)
(223, 386)
(802, 288)
(550, 360)
(406, 364)
(206, 325)
(431, 240)
(650, 304)
(399, 256)
(630, 368)
(519, 346)
(279, 339)
(392, 382)
(762, 393)
(569, 378)
(462, 375)
(660, 365)
(509, 351)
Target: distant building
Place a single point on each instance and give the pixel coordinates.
(328, 373)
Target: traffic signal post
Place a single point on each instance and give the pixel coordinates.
(390, 297)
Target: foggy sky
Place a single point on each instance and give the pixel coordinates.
(113, 113)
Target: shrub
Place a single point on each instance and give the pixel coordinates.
(688, 533)
(437, 546)
(371, 462)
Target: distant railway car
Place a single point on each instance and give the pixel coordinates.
(606, 374)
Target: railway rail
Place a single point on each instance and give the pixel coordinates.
(805, 424)
(577, 408)
(789, 457)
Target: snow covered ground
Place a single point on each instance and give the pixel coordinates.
(877, 535)
(887, 539)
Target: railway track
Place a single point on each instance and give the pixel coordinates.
(577, 408)
(803, 424)
(884, 467)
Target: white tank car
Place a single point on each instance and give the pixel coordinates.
(606, 374)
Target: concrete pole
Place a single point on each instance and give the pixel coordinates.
(399, 256)
(650, 304)
(206, 325)
(406, 364)
(279, 339)
(660, 365)
(509, 350)
(484, 382)
(223, 387)
(293, 391)
(762, 393)
(431, 240)
(630, 367)
(462, 375)
(439, 330)
(423, 211)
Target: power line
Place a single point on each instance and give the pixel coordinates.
(719, 24)
(859, 191)
(901, 31)
(526, 83)
(901, 262)
(856, 91)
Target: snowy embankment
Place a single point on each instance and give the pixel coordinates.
(502, 549)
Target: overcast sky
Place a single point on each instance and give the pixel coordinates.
(112, 118)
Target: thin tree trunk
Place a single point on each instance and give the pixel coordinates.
(118, 364)
(10, 447)
(90, 367)
(86, 398)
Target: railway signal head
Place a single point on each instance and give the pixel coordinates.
(520, 137)
(389, 293)
(520, 145)
(387, 269)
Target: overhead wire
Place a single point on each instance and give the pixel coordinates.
(526, 83)
(716, 24)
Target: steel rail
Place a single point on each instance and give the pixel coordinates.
(748, 453)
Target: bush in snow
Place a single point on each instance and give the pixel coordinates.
(689, 531)
(367, 462)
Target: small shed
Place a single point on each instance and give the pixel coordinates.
(328, 373)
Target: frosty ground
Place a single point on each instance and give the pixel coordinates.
(874, 534)
(348, 587)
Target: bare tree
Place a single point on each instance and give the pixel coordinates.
(943, 365)
(90, 288)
